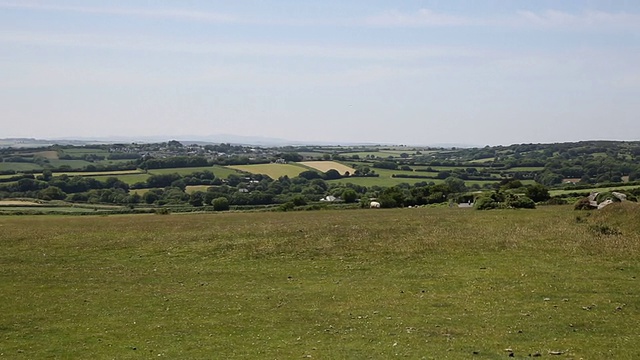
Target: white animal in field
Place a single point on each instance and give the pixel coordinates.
(374, 205)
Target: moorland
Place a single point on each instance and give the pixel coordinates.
(433, 283)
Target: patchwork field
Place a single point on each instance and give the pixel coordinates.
(409, 283)
(274, 171)
(325, 166)
(219, 171)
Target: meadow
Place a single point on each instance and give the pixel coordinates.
(412, 283)
(586, 192)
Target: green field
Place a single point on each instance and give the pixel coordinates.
(408, 283)
(74, 164)
(274, 171)
(85, 151)
(219, 171)
(530, 168)
(17, 166)
(588, 191)
(129, 179)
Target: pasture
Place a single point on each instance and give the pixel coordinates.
(19, 166)
(324, 166)
(272, 170)
(411, 283)
(219, 171)
(586, 192)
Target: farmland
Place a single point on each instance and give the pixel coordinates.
(412, 283)
(325, 166)
(274, 171)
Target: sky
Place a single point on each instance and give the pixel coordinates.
(415, 72)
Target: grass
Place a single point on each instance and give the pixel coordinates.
(424, 283)
(129, 179)
(588, 191)
(274, 171)
(525, 168)
(115, 173)
(74, 164)
(17, 166)
(219, 171)
(50, 154)
(193, 188)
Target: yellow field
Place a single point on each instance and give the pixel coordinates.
(193, 188)
(51, 155)
(17, 202)
(325, 166)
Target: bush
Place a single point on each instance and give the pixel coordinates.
(288, 206)
(486, 203)
(220, 204)
(556, 201)
(299, 200)
(162, 211)
(520, 202)
(583, 204)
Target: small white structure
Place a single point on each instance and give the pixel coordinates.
(374, 205)
(329, 198)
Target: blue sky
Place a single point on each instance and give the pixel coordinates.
(404, 72)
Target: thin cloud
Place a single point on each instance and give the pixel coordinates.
(225, 48)
(175, 14)
(421, 18)
(551, 19)
(599, 20)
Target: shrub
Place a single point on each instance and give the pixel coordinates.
(220, 204)
(583, 204)
(299, 200)
(520, 202)
(162, 211)
(486, 203)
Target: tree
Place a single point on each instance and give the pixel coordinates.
(537, 193)
(349, 196)
(196, 199)
(52, 193)
(310, 175)
(455, 184)
(220, 204)
(332, 174)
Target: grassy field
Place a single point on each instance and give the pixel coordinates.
(17, 166)
(219, 171)
(129, 179)
(274, 171)
(588, 191)
(50, 154)
(423, 283)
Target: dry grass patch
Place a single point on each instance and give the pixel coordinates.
(325, 166)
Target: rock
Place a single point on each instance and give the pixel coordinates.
(556, 352)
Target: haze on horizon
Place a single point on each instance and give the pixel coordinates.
(412, 72)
